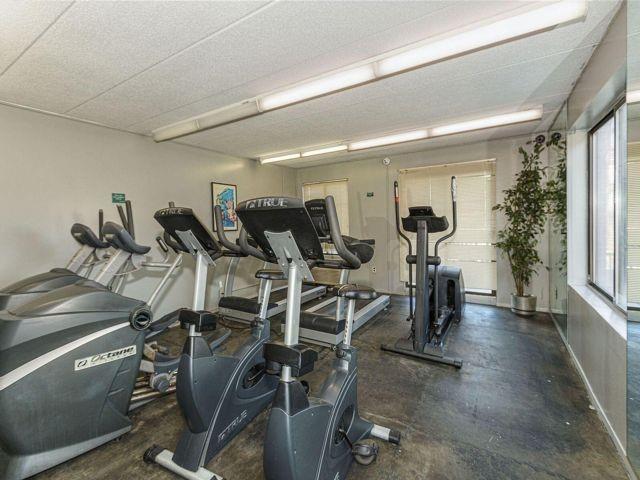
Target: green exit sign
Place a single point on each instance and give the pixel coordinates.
(117, 198)
(369, 194)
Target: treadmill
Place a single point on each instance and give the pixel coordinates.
(245, 309)
(323, 323)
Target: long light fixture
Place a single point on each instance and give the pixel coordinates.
(315, 88)
(208, 120)
(633, 97)
(389, 140)
(487, 122)
(413, 135)
(323, 151)
(482, 36)
(469, 39)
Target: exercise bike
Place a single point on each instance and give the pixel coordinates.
(309, 437)
(218, 394)
(433, 318)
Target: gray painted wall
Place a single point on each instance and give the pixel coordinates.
(373, 217)
(56, 172)
(596, 331)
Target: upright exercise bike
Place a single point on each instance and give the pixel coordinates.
(219, 394)
(433, 317)
(309, 438)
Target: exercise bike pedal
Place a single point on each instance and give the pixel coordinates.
(365, 453)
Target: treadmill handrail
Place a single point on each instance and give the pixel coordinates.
(336, 236)
(248, 249)
(222, 237)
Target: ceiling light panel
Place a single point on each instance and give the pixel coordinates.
(389, 140)
(323, 151)
(280, 158)
(316, 88)
(482, 36)
(487, 122)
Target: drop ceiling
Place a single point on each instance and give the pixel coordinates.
(137, 66)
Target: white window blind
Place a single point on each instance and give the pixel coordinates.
(339, 189)
(472, 248)
(633, 223)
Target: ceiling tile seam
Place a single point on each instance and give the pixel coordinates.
(35, 40)
(179, 52)
(283, 69)
(592, 45)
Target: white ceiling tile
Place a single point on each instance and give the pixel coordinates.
(252, 50)
(21, 22)
(97, 45)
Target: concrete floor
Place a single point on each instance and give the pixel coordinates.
(516, 410)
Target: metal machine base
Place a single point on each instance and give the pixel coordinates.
(431, 354)
(165, 458)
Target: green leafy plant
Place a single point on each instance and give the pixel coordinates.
(525, 205)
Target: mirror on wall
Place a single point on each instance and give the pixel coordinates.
(557, 185)
(633, 235)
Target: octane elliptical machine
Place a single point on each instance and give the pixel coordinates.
(432, 320)
(219, 394)
(309, 438)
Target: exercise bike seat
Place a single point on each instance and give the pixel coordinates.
(118, 237)
(362, 250)
(85, 236)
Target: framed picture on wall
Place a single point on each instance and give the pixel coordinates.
(225, 195)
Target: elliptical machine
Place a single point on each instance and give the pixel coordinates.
(219, 394)
(70, 362)
(92, 251)
(309, 438)
(432, 320)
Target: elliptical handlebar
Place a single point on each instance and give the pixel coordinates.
(454, 195)
(222, 238)
(336, 235)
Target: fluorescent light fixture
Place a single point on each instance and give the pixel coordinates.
(208, 120)
(633, 97)
(487, 122)
(315, 88)
(474, 37)
(389, 140)
(490, 34)
(175, 130)
(279, 158)
(322, 151)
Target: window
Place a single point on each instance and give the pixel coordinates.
(339, 189)
(607, 212)
(473, 246)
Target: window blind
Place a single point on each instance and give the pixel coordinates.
(633, 222)
(472, 248)
(340, 191)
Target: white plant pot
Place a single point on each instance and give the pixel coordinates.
(525, 306)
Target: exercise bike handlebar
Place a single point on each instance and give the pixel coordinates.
(222, 238)
(248, 249)
(336, 235)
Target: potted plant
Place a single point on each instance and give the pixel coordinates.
(525, 208)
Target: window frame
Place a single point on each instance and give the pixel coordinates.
(618, 298)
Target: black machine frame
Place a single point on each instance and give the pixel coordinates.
(430, 324)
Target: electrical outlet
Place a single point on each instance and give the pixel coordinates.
(373, 270)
